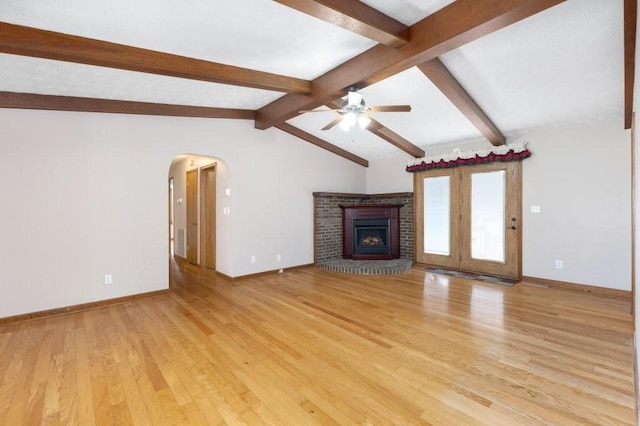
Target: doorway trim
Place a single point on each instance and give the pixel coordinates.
(208, 216)
(172, 219)
(192, 217)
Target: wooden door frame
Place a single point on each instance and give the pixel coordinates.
(170, 183)
(205, 226)
(513, 199)
(197, 216)
(453, 261)
(633, 218)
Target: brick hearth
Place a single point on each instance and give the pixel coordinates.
(328, 221)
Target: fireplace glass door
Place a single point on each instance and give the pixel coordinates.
(371, 236)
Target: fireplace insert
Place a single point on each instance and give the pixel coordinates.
(371, 236)
(371, 232)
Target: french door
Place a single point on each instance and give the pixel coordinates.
(468, 218)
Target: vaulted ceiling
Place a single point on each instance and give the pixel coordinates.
(470, 69)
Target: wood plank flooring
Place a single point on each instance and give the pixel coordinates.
(315, 347)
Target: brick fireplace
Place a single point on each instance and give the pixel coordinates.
(328, 221)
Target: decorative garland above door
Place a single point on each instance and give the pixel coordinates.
(511, 152)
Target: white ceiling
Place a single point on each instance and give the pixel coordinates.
(562, 67)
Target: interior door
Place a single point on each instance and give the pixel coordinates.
(467, 218)
(192, 217)
(208, 215)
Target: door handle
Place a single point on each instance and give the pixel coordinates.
(513, 224)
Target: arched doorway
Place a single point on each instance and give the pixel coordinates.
(193, 209)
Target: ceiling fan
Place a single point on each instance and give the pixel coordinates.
(355, 110)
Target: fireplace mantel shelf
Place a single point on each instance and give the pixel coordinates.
(369, 207)
(349, 195)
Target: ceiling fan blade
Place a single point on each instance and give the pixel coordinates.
(320, 110)
(391, 108)
(374, 124)
(333, 123)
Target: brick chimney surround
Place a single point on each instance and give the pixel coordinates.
(328, 232)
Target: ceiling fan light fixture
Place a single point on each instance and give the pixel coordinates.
(354, 99)
(348, 121)
(363, 121)
(354, 110)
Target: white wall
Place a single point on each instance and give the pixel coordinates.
(581, 179)
(86, 195)
(388, 175)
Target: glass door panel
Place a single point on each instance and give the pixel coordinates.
(487, 216)
(437, 215)
(437, 238)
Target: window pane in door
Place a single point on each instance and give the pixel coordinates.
(487, 216)
(436, 215)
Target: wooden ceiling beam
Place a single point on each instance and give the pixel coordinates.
(630, 22)
(452, 26)
(294, 131)
(356, 17)
(394, 139)
(344, 14)
(70, 103)
(436, 71)
(27, 41)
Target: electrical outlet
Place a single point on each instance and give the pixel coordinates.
(108, 279)
(559, 264)
(253, 259)
(278, 257)
(535, 209)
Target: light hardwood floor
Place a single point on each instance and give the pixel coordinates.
(314, 347)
